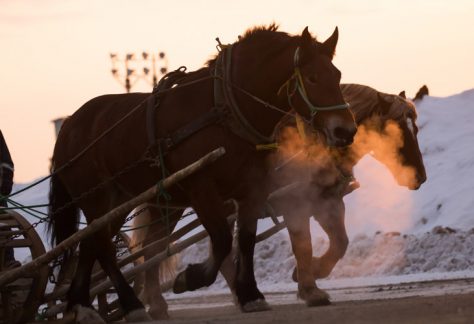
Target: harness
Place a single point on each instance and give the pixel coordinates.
(165, 144)
(225, 102)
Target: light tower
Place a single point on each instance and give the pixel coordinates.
(148, 67)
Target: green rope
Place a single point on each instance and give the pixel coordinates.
(166, 195)
(19, 206)
(29, 211)
(29, 186)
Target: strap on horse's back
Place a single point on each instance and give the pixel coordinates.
(165, 83)
(160, 146)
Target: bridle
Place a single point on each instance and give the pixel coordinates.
(299, 87)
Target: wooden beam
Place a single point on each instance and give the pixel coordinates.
(96, 225)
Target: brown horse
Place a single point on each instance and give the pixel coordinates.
(318, 184)
(387, 130)
(103, 155)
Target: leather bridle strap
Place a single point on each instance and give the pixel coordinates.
(299, 86)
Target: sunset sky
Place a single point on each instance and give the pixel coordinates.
(55, 53)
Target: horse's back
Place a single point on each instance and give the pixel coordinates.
(92, 119)
(107, 109)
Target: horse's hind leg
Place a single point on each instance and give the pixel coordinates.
(331, 220)
(300, 236)
(211, 211)
(78, 293)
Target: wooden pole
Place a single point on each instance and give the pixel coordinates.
(130, 273)
(130, 258)
(103, 221)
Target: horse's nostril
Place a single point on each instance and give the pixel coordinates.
(421, 178)
(346, 134)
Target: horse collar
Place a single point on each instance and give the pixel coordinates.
(225, 101)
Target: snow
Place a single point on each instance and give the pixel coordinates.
(394, 233)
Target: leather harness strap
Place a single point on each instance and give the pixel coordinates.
(225, 101)
(165, 144)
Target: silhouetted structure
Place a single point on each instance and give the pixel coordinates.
(149, 67)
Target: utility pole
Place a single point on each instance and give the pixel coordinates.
(149, 67)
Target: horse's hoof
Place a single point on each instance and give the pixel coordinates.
(258, 305)
(85, 315)
(179, 285)
(314, 297)
(138, 315)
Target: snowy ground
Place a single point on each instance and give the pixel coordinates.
(402, 233)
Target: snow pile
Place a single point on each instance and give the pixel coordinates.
(382, 254)
(441, 250)
(446, 136)
(446, 199)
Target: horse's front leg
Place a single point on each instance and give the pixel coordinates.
(331, 219)
(249, 297)
(212, 213)
(300, 236)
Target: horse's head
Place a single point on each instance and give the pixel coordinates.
(397, 117)
(314, 90)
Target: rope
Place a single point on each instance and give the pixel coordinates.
(27, 209)
(166, 195)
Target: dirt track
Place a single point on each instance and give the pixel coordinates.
(447, 301)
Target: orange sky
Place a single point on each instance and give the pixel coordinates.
(55, 53)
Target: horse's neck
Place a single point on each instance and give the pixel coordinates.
(263, 82)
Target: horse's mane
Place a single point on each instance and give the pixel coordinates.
(261, 38)
(364, 103)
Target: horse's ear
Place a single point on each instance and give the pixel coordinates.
(329, 45)
(384, 105)
(306, 38)
(421, 93)
(306, 41)
(402, 94)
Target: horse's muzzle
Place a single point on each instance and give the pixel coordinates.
(342, 136)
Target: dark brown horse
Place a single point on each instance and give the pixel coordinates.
(316, 184)
(250, 86)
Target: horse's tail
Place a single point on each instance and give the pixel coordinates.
(63, 215)
(168, 267)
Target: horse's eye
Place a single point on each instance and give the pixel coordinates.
(312, 79)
